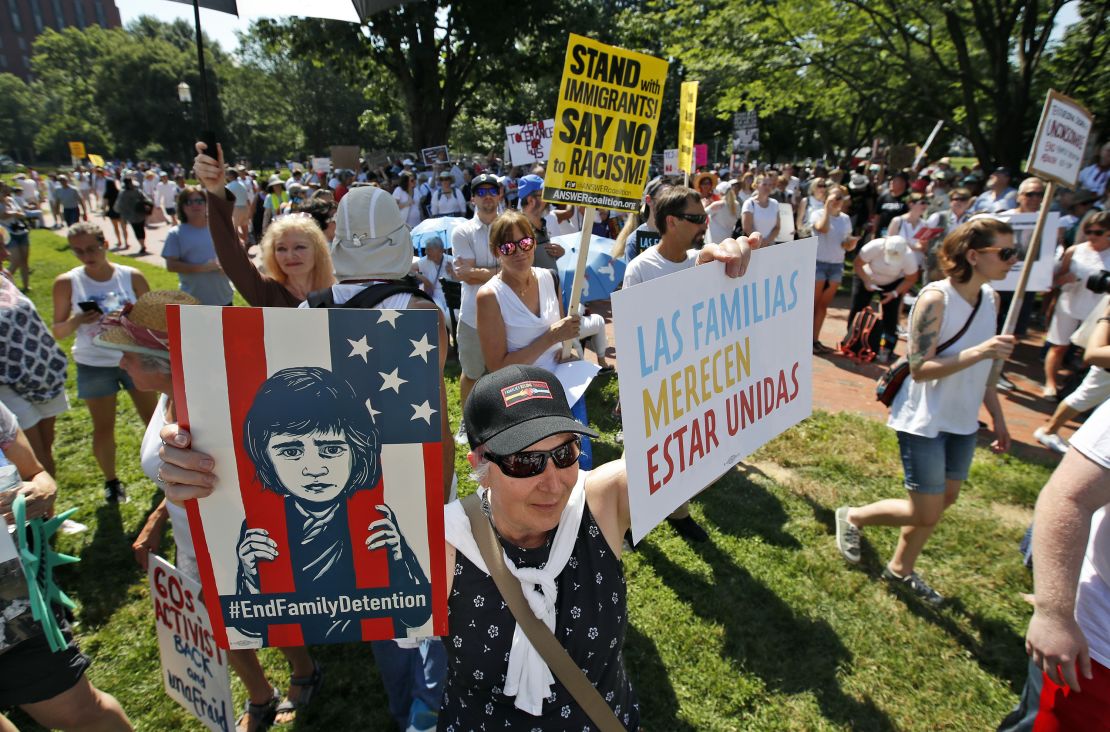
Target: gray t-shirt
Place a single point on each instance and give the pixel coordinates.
(193, 245)
(67, 197)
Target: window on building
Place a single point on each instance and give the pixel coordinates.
(22, 43)
(59, 16)
(17, 19)
(3, 61)
(101, 20)
(36, 15)
(79, 12)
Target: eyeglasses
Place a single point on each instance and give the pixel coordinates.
(532, 463)
(1095, 232)
(524, 245)
(194, 201)
(483, 192)
(697, 219)
(1004, 253)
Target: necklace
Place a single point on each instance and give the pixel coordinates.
(518, 290)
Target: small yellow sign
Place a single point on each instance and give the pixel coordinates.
(96, 160)
(687, 113)
(77, 150)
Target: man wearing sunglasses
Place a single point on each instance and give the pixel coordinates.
(529, 192)
(681, 220)
(474, 266)
(447, 200)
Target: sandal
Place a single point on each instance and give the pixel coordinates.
(309, 685)
(261, 715)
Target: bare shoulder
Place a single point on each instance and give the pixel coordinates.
(449, 554)
(607, 482)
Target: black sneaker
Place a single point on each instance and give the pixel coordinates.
(688, 528)
(114, 491)
(916, 585)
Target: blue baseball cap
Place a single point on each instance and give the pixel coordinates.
(528, 185)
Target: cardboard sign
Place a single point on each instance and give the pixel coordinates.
(901, 156)
(1040, 279)
(321, 165)
(609, 103)
(326, 525)
(530, 142)
(77, 149)
(345, 157)
(670, 162)
(96, 160)
(1061, 141)
(716, 367)
(687, 114)
(194, 667)
(745, 131)
(434, 155)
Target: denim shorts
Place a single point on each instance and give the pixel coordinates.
(101, 381)
(929, 461)
(830, 271)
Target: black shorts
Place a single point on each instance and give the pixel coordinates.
(30, 673)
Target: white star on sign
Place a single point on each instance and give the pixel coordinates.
(423, 411)
(421, 348)
(359, 348)
(373, 412)
(392, 381)
(389, 316)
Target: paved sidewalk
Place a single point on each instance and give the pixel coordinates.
(155, 237)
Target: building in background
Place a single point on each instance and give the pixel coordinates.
(21, 21)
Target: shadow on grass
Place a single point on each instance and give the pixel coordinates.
(741, 506)
(759, 627)
(110, 569)
(651, 680)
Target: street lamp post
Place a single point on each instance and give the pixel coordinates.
(185, 96)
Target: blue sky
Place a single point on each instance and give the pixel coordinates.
(221, 26)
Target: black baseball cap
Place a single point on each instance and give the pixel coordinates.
(485, 179)
(518, 406)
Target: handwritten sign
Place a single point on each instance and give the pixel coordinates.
(609, 102)
(194, 668)
(1040, 278)
(670, 162)
(530, 142)
(1058, 148)
(687, 113)
(718, 366)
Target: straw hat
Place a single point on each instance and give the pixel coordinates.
(141, 327)
(702, 176)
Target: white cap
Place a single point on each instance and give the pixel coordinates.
(895, 248)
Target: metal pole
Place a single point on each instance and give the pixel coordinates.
(203, 72)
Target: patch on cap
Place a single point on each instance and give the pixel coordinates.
(524, 391)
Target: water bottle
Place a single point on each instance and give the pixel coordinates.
(9, 475)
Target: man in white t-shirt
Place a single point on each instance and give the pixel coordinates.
(1068, 641)
(474, 266)
(681, 220)
(887, 268)
(448, 200)
(165, 195)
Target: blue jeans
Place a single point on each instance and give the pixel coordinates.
(1025, 713)
(411, 675)
(928, 462)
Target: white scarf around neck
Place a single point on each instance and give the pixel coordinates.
(528, 678)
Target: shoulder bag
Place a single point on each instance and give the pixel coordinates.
(554, 655)
(890, 382)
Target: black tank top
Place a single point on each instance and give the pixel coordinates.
(590, 622)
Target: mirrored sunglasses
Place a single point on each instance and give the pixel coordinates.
(533, 462)
(508, 247)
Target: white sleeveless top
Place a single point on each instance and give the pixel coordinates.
(1075, 299)
(908, 230)
(522, 326)
(950, 404)
(110, 296)
(150, 461)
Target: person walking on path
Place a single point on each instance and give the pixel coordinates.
(133, 207)
(935, 413)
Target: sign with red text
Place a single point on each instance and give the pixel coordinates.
(531, 142)
(1058, 148)
(194, 667)
(670, 162)
(714, 367)
(1040, 279)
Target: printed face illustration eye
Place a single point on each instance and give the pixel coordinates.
(313, 467)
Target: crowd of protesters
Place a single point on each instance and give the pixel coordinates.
(927, 244)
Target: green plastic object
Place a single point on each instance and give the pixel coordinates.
(39, 561)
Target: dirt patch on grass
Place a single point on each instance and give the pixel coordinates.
(1017, 517)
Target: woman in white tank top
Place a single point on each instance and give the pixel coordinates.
(81, 297)
(935, 413)
(908, 224)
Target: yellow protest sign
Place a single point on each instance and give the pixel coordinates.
(77, 149)
(96, 160)
(687, 112)
(609, 102)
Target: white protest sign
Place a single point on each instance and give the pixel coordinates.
(714, 368)
(670, 162)
(786, 223)
(194, 668)
(745, 131)
(321, 165)
(530, 142)
(1040, 279)
(1058, 148)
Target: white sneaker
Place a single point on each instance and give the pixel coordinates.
(461, 437)
(1051, 441)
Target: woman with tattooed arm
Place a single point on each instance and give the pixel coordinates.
(952, 346)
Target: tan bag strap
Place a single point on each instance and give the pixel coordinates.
(558, 660)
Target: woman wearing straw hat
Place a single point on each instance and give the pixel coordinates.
(139, 334)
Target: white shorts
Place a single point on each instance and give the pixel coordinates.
(1061, 328)
(29, 413)
(1091, 392)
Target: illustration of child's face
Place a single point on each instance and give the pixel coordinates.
(313, 467)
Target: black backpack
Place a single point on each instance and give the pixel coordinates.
(371, 296)
(864, 336)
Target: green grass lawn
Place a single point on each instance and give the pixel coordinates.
(762, 628)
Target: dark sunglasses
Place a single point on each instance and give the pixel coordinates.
(698, 219)
(483, 192)
(960, 198)
(1004, 253)
(524, 245)
(194, 202)
(1095, 232)
(1034, 194)
(532, 463)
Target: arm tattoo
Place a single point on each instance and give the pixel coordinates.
(923, 336)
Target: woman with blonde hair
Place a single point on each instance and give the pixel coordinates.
(294, 249)
(722, 216)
